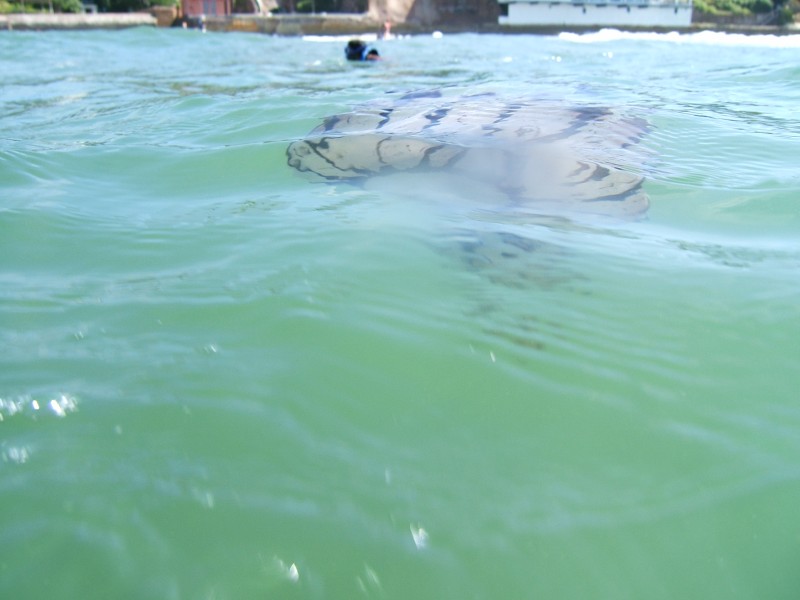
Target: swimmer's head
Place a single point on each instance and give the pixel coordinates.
(355, 50)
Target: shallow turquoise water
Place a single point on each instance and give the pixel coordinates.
(219, 380)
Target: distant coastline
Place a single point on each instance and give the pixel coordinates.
(73, 21)
(328, 24)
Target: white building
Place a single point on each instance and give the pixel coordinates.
(632, 13)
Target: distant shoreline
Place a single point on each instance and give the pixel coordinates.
(335, 24)
(74, 21)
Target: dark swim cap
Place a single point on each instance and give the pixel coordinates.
(355, 50)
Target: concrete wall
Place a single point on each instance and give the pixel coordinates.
(44, 21)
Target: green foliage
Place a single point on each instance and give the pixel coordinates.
(761, 6)
(131, 5)
(76, 6)
(71, 6)
(703, 7)
(331, 6)
(735, 7)
(36, 6)
(785, 16)
(785, 10)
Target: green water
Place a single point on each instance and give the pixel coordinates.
(218, 380)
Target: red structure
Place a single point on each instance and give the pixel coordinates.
(222, 8)
(197, 8)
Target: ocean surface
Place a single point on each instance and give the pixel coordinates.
(221, 380)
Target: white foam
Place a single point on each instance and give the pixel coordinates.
(710, 38)
(364, 37)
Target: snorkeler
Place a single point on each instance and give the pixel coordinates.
(357, 50)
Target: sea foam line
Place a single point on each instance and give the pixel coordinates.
(710, 38)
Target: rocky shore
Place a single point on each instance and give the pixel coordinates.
(320, 24)
(344, 24)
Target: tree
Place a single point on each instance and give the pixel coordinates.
(130, 5)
